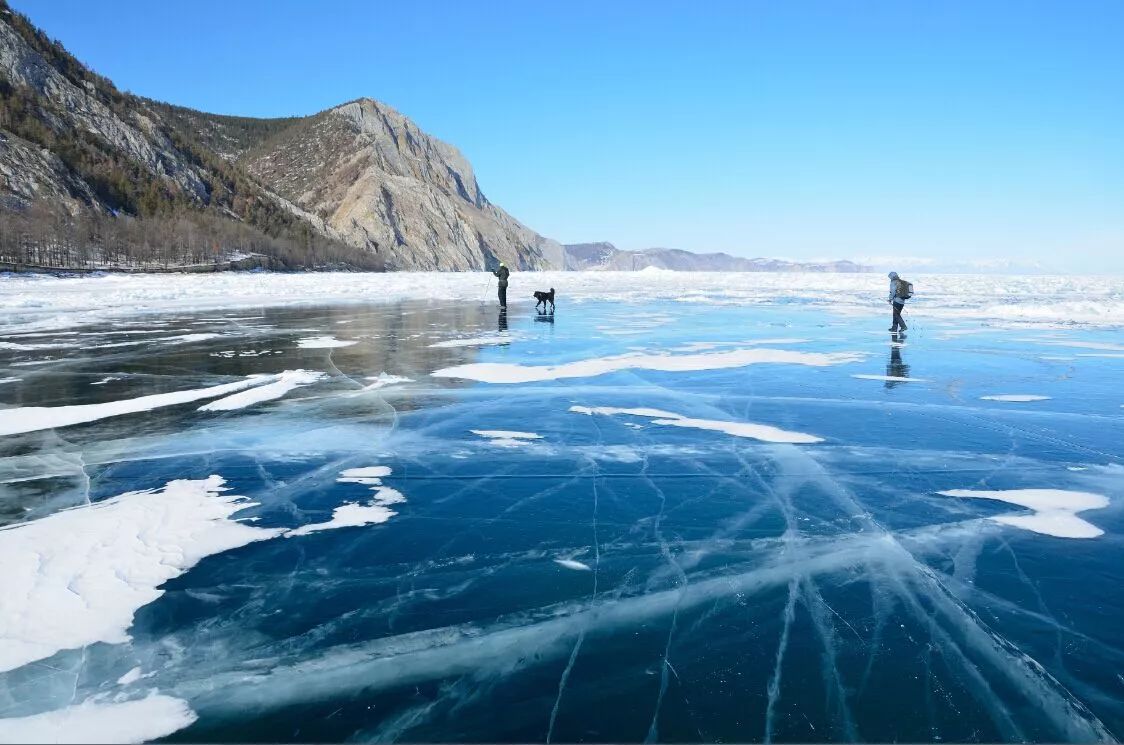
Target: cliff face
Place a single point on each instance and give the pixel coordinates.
(360, 174)
(381, 183)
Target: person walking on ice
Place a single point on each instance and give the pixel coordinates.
(502, 274)
(900, 291)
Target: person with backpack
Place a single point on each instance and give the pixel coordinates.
(900, 291)
(502, 274)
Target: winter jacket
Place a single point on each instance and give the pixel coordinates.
(502, 273)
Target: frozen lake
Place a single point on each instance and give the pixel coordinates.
(684, 508)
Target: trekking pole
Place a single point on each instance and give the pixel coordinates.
(487, 288)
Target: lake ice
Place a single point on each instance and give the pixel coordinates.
(684, 507)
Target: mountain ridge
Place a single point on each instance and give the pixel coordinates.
(604, 256)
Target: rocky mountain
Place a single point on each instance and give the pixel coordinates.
(607, 257)
(358, 185)
(370, 176)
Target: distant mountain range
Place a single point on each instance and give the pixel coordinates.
(607, 257)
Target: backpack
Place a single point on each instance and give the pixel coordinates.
(903, 289)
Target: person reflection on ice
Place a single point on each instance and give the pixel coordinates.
(502, 324)
(895, 368)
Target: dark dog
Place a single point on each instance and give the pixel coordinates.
(544, 298)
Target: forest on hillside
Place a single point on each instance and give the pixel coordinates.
(132, 217)
(41, 238)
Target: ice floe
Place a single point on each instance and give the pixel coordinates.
(762, 432)
(282, 384)
(323, 342)
(1015, 398)
(141, 720)
(34, 418)
(506, 438)
(1054, 510)
(77, 576)
(500, 372)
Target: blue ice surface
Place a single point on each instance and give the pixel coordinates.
(738, 590)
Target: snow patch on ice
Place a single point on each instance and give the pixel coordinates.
(110, 379)
(323, 342)
(189, 338)
(76, 577)
(282, 384)
(9, 380)
(572, 564)
(1015, 398)
(762, 432)
(353, 515)
(506, 438)
(34, 418)
(141, 720)
(1054, 510)
(371, 475)
(130, 677)
(500, 372)
(349, 515)
(382, 380)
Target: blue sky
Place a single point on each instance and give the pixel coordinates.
(952, 130)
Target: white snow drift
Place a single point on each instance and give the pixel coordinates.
(1054, 510)
(141, 720)
(282, 384)
(76, 577)
(323, 342)
(382, 380)
(506, 438)
(351, 514)
(762, 432)
(34, 418)
(500, 372)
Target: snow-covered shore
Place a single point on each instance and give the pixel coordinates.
(39, 302)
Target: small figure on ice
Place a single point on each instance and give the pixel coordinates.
(543, 298)
(502, 274)
(900, 291)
